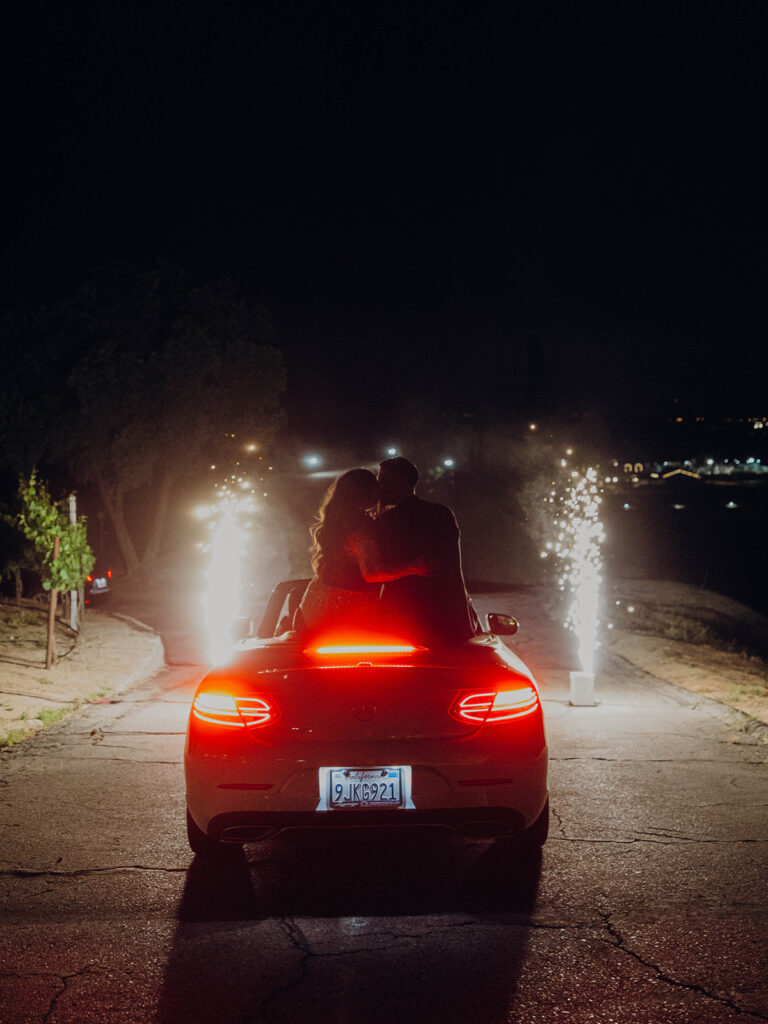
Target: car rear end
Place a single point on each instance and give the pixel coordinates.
(359, 735)
(98, 586)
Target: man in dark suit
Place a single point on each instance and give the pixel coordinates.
(432, 603)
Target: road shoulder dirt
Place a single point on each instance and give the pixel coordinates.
(112, 654)
(732, 679)
(697, 639)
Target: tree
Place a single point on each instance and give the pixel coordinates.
(161, 412)
(64, 557)
(42, 521)
(158, 374)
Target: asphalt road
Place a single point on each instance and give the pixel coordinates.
(648, 904)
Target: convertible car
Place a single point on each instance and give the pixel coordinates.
(358, 729)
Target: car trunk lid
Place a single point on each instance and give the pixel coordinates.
(369, 701)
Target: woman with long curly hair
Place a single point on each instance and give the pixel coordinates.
(338, 591)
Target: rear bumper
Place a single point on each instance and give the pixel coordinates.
(246, 792)
(237, 815)
(477, 822)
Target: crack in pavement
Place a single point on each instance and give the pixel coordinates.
(65, 979)
(123, 760)
(504, 922)
(128, 704)
(141, 732)
(616, 940)
(662, 837)
(730, 803)
(95, 759)
(300, 943)
(658, 760)
(84, 872)
(670, 833)
(62, 979)
(660, 841)
(42, 892)
(559, 819)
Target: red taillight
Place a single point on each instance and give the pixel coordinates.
(109, 574)
(239, 712)
(495, 705)
(360, 642)
(89, 579)
(365, 649)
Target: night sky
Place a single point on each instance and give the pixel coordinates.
(493, 209)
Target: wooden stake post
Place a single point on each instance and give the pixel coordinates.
(74, 611)
(50, 649)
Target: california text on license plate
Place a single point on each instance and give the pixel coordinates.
(366, 787)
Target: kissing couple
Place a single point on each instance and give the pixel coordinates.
(385, 559)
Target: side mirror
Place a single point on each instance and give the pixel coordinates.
(502, 625)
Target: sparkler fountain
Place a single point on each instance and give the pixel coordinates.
(578, 548)
(226, 552)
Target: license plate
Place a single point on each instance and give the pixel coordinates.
(100, 583)
(369, 788)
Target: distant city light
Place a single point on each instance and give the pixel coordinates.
(531, 426)
(392, 451)
(251, 448)
(449, 463)
(311, 460)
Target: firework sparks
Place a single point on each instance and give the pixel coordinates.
(580, 534)
(226, 549)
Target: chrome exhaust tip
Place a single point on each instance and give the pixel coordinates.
(247, 833)
(485, 829)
